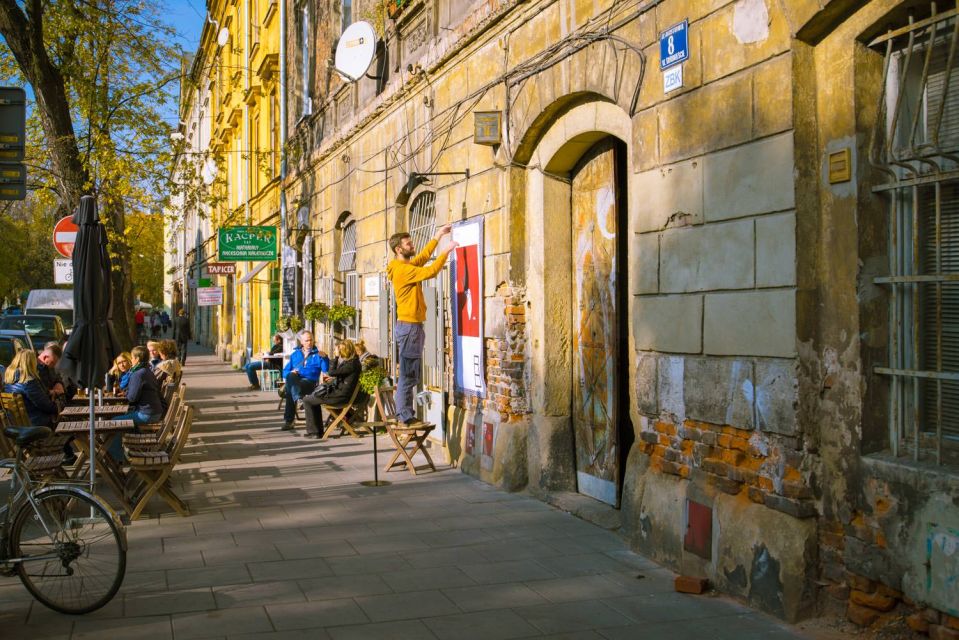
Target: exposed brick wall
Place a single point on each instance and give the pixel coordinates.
(506, 360)
(733, 460)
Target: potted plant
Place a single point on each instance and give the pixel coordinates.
(316, 312)
(371, 378)
(293, 323)
(342, 313)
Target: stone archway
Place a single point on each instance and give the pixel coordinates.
(551, 154)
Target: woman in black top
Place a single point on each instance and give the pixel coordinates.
(143, 394)
(344, 375)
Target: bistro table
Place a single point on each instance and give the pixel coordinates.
(84, 401)
(106, 411)
(105, 432)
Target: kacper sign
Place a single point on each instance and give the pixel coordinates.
(242, 244)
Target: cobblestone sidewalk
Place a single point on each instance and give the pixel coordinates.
(285, 543)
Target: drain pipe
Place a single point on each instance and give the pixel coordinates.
(282, 234)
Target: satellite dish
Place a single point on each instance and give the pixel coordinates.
(223, 37)
(208, 172)
(355, 51)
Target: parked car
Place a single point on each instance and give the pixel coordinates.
(21, 336)
(9, 348)
(41, 329)
(51, 302)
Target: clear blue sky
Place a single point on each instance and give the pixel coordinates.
(187, 17)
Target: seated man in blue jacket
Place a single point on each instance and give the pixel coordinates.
(301, 374)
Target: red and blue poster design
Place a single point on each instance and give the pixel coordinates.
(467, 275)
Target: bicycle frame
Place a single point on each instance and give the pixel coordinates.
(25, 488)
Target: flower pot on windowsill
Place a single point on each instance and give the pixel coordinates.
(394, 7)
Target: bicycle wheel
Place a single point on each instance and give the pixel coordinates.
(73, 557)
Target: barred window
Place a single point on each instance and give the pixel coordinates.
(352, 298)
(422, 219)
(348, 252)
(915, 143)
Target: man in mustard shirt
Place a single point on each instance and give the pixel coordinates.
(406, 271)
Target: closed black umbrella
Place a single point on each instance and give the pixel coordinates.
(93, 344)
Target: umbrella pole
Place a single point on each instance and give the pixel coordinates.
(93, 444)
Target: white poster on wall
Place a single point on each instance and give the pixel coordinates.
(466, 271)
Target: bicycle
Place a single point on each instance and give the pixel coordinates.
(66, 545)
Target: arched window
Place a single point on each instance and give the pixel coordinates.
(347, 260)
(422, 219)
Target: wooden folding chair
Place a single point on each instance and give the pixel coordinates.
(156, 439)
(47, 454)
(155, 466)
(340, 416)
(408, 441)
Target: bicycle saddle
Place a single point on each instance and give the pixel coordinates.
(27, 435)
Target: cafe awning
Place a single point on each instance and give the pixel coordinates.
(258, 267)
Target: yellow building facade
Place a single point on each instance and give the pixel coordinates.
(240, 43)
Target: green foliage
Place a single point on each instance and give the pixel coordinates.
(370, 379)
(316, 311)
(294, 323)
(27, 252)
(144, 235)
(341, 313)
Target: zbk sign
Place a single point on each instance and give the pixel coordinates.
(674, 45)
(242, 244)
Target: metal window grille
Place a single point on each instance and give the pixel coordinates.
(348, 252)
(352, 296)
(422, 219)
(916, 144)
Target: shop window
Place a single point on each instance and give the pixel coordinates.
(915, 144)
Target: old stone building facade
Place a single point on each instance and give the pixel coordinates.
(723, 311)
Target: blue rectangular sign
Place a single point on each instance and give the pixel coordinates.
(674, 45)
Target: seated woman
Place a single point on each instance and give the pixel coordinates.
(22, 378)
(257, 365)
(344, 375)
(168, 371)
(143, 394)
(118, 378)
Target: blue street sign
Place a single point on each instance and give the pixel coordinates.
(674, 45)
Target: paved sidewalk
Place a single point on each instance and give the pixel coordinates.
(284, 543)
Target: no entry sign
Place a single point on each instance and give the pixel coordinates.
(64, 236)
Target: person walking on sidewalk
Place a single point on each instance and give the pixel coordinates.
(182, 332)
(406, 271)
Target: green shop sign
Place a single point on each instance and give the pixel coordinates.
(242, 244)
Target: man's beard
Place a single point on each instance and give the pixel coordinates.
(409, 253)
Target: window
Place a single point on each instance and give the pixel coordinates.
(307, 105)
(352, 298)
(255, 157)
(422, 219)
(348, 252)
(274, 138)
(915, 143)
(347, 16)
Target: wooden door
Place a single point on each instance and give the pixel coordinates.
(595, 323)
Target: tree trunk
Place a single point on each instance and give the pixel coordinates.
(113, 216)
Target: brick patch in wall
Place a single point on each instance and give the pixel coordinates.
(733, 461)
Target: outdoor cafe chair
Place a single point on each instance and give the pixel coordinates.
(408, 441)
(154, 466)
(340, 416)
(45, 456)
(154, 439)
